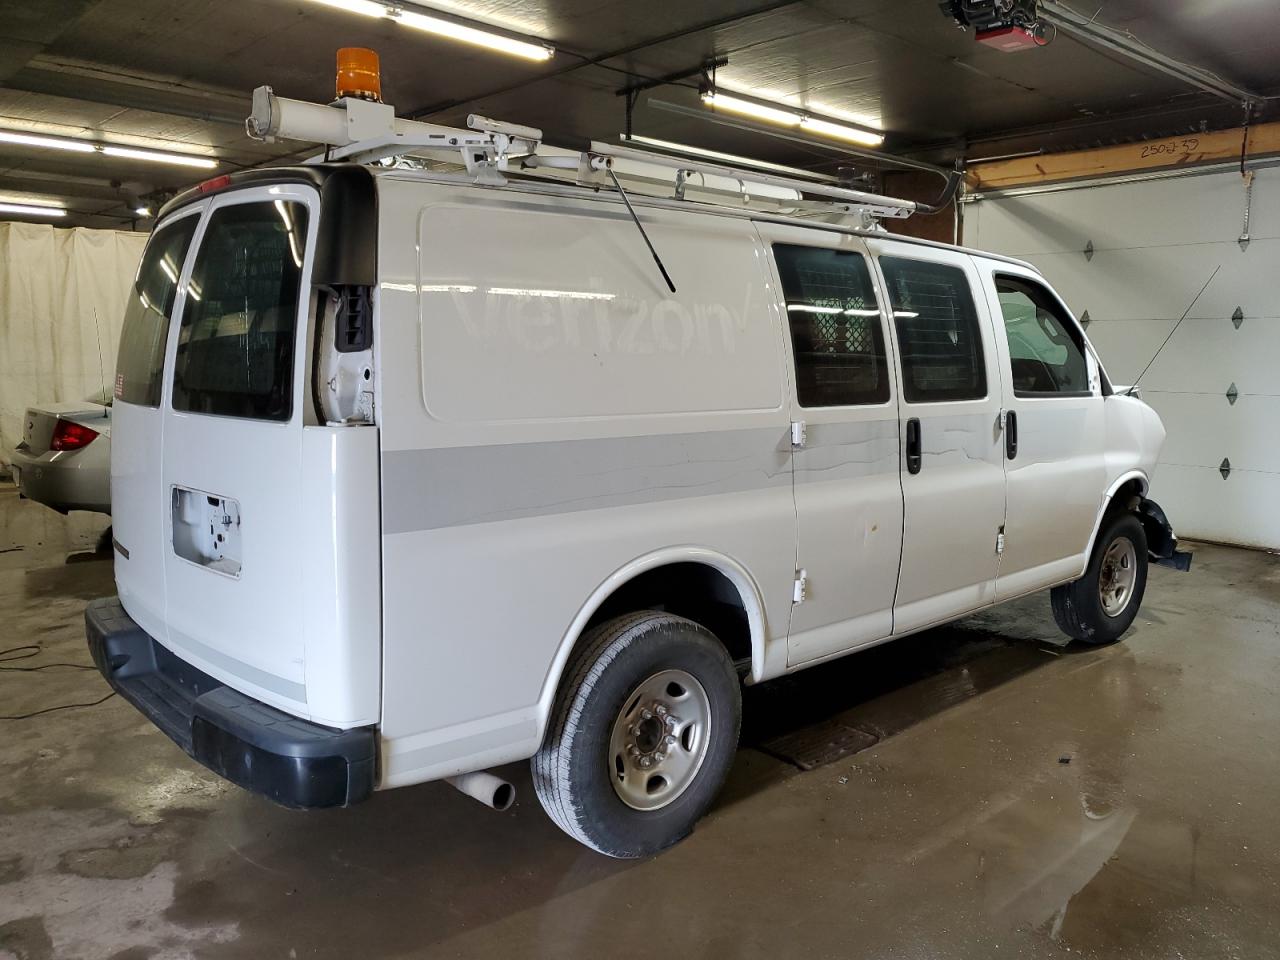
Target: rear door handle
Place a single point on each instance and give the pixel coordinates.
(913, 445)
(1011, 435)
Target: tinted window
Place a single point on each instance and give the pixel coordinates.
(1045, 349)
(835, 326)
(938, 333)
(235, 346)
(140, 361)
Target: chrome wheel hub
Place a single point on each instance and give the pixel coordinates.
(1117, 577)
(659, 740)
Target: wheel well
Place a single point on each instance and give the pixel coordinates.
(1127, 496)
(693, 590)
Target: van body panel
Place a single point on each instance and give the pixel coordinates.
(340, 554)
(523, 435)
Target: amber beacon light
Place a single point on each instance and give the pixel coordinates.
(359, 74)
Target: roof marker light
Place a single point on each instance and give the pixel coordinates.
(214, 184)
(359, 74)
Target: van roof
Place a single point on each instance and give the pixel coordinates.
(320, 176)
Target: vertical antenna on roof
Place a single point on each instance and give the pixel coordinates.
(1184, 316)
(102, 369)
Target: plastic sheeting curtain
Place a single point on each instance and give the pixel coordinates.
(62, 300)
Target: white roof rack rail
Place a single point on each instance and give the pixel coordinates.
(363, 131)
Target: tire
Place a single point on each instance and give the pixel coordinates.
(1082, 611)
(587, 774)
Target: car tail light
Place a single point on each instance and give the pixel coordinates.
(71, 436)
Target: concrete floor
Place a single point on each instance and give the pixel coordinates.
(958, 832)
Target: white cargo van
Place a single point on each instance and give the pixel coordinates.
(417, 472)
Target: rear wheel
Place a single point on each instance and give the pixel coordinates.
(1101, 605)
(642, 735)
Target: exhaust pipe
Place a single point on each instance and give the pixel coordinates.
(492, 791)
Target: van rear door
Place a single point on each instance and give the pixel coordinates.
(137, 420)
(231, 505)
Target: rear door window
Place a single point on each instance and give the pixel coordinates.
(236, 343)
(140, 361)
(836, 334)
(938, 333)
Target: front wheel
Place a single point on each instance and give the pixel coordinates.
(1101, 605)
(642, 734)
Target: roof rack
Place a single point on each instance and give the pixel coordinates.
(363, 131)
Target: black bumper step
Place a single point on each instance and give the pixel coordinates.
(291, 761)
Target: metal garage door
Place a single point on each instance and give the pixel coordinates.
(1155, 244)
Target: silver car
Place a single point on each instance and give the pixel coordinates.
(64, 457)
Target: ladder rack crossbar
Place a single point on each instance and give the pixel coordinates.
(364, 132)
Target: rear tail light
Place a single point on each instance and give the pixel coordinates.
(71, 436)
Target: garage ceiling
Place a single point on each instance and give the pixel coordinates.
(178, 76)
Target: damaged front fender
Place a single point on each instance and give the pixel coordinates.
(1162, 545)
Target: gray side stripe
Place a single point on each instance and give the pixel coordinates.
(445, 487)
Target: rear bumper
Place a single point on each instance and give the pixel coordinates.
(73, 480)
(260, 748)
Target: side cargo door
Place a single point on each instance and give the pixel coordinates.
(848, 491)
(233, 410)
(952, 447)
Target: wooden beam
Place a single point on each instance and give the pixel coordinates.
(1213, 147)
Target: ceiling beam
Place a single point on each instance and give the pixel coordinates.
(1263, 140)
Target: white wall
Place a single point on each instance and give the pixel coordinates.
(1156, 243)
(62, 292)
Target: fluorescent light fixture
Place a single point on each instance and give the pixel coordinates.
(142, 211)
(410, 17)
(32, 209)
(159, 156)
(862, 313)
(905, 314)
(107, 149)
(791, 118)
(35, 140)
(838, 131)
(752, 109)
(717, 155)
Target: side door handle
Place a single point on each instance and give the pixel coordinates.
(913, 445)
(1011, 435)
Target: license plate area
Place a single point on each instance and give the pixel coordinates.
(206, 530)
